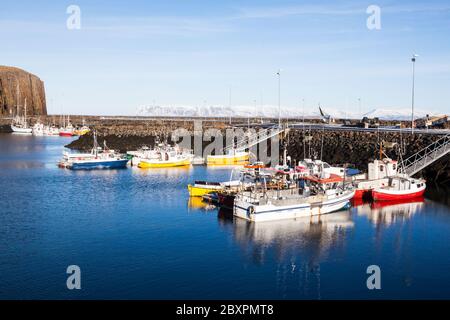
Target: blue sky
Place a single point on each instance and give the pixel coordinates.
(133, 53)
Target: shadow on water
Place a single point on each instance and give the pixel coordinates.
(439, 194)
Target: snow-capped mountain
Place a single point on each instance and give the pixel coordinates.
(396, 114)
(268, 111)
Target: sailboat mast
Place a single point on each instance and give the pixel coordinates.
(25, 113)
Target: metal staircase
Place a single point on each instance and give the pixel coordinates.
(254, 139)
(426, 156)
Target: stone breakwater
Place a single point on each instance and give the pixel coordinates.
(334, 147)
(124, 135)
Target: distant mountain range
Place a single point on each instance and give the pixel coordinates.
(272, 112)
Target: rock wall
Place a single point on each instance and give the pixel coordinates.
(357, 148)
(16, 85)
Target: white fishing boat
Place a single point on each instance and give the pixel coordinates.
(51, 131)
(318, 167)
(145, 153)
(312, 196)
(39, 129)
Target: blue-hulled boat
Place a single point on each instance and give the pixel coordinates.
(98, 158)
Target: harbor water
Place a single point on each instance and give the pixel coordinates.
(135, 234)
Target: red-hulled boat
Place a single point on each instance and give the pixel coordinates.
(400, 188)
(65, 133)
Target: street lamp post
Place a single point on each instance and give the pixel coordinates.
(413, 59)
(359, 107)
(279, 97)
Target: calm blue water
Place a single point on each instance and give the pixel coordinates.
(135, 234)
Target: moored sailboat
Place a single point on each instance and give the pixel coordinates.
(20, 124)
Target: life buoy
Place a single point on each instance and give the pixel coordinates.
(250, 210)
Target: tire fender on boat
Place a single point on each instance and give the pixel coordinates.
(250, 210)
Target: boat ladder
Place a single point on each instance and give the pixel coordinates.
(254, 139)
(426, 156)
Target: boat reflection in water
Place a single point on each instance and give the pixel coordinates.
(197, 203)
(389, 212)
(298, 246)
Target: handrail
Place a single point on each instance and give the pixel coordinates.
(254, 139)
(426, 156)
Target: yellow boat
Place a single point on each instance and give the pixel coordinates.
(166, 158)
(233, 157)
(200, 188)
(163, 164)
(82, 131)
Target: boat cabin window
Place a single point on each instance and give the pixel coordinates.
(326, 165)
(381, 168)
(394, 166)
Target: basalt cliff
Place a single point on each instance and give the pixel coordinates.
(18, 86)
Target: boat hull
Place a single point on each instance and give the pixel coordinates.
(106, 164)
(18, 130)
(200, 191)
(270, 212)
(65, 134)
(227, 159)
(362, 193)
(390, 195)
(163, 164)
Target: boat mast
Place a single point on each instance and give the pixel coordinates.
(25, 114)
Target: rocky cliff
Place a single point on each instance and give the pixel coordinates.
(16, 85)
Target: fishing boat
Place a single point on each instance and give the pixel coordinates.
(166, 158)
(379, 172)
(314, 167)
(303, 198)
(38, 129)
(51, 131)
(81, 131)
(145, 153)
(67, 130)
(200, 188)
(245, 179)
(98, 158)
(233, 157)
(400, 188)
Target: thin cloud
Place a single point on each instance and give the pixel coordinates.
(259, 12)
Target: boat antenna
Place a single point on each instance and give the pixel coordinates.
(309, 141)
(381, 149)
(95, 143)
(321, 142)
